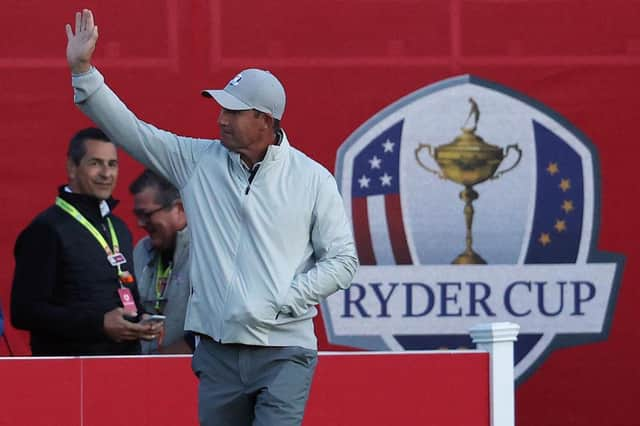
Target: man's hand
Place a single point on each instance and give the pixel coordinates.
(80, 46)
(154, 329)
(119, 329)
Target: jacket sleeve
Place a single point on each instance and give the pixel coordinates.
(334, 251)
(32, 296)
(172, 156)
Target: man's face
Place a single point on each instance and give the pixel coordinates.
(241, 131)
(161, 222)
(97, 172)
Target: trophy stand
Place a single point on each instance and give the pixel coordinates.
(468, 256)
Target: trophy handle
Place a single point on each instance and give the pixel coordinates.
(430, 150)
(506, 153)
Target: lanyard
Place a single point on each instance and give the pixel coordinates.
(125, 277)
(162, 281)
(89, 226)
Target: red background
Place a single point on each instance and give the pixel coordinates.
(341, 62)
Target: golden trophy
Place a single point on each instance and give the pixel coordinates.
(468, 160)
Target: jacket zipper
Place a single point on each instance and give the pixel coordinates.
(251, 176)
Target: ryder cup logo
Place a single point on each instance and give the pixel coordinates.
(471, 204)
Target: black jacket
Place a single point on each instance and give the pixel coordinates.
(63, 284)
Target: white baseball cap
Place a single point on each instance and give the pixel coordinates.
(252, 89)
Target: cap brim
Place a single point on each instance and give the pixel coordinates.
(225, 100)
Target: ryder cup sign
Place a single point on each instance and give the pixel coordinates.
(470, 204)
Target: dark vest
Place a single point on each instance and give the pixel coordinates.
(85, 280)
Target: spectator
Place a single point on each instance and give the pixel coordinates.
(270, 238)
(161, 259)
(72, 285)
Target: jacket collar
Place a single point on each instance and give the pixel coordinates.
(274, 154)
(277, 152)
(91, 207)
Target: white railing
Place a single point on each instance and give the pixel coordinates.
(497, 338)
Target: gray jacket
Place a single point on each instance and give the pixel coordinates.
(145, 260)
(263, 254)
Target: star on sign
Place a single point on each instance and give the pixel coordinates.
(364, 181)
(385, 180)
(565, 185)
(553, 168)
(375, 162)
(388, 146)
(544, 239)
(560, 225)
(567, 206)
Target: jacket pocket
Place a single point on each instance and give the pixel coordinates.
(249, 316)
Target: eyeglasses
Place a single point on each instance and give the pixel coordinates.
(145, 217)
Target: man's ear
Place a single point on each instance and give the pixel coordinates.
(268, 121)
(71, 169)
(182, 214)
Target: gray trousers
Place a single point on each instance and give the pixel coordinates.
(252, 385)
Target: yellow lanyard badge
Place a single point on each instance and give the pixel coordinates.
(114, 256)
(162, 281)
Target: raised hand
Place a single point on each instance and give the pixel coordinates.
(80, 46)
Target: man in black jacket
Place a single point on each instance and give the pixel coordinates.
(73, 287)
